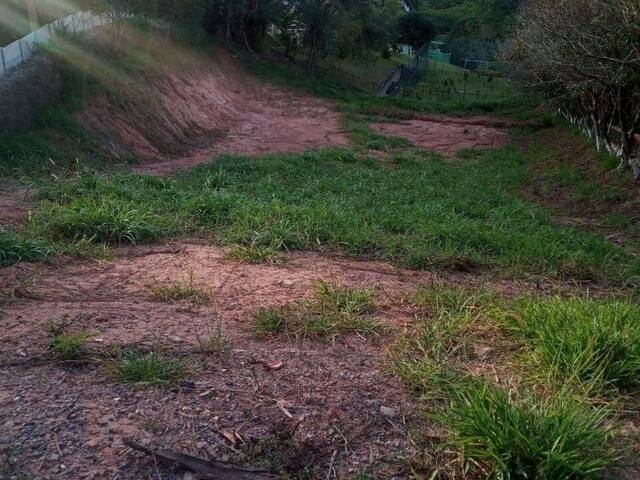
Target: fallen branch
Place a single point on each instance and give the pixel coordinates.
(204, 469)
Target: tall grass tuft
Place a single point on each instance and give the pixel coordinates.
(111, 221)
(15, 248)
(585, 341)
(530, 437)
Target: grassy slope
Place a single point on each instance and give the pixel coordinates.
(416, 209)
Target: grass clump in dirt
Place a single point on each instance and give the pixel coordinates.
(588, 342)
(67, 346)
(529, 437)
(449, 322)
(15, 248)
(214, 341)
(178, 291)
(70, 347)
(147, 369)
(256, 254)
(333, 311)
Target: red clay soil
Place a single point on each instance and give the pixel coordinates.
(69, 421)
(447, 135)
(15, 203)
(183, 119)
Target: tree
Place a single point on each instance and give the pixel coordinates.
(585, 56)
(415, 29)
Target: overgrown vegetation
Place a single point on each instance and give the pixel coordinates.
(588, 342)
(333, 311)
(425, 213)
(538, 426)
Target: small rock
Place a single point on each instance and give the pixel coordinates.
(388, 412)
(53, 457)
(201, 445)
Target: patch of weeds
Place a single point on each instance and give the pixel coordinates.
(66, 346)
(525, 437)
(451, 320)
(256, 254)
(214, 342)
(271, 321)
(333, 311)
(15, 248)
(588, 342)
(111, 221)
(180, 291)
(146, 368)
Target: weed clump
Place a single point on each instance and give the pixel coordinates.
(581, 341)
(147, 369)
(530, 437)
(256, 254)
(14, 248)
(180, 291)
(333, 311)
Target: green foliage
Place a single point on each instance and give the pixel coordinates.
(147, 369)
(69, 347)
(254, 253)
(415, 29)
(590, 342)
(426, 213)
(333, 311)
(530, 437)
(105, 220)
(18, 248)
(180, 291)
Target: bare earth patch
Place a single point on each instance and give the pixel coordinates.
(447, 135)
(15, 203)
(337, 399)
(185, 118)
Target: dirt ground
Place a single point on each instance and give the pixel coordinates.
(447, 135)
(15, 202)
(69, 421)
(183, 119)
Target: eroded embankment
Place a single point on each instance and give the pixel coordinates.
(180, 119)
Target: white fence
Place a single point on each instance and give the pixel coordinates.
(21, 50)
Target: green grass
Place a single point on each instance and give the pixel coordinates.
(180, 291)
(256, 254)
(333, 311)
(147, 369)
(69, 347)
(589, 342)
(15, 247)
(528, 437)
(424, 213)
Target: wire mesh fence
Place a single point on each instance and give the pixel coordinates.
(21, 50)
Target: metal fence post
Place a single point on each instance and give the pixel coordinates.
(21, 52)
(4, 62)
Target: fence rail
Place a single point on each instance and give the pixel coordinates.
(406, 75)
(21, 50)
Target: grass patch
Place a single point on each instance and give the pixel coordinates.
(180, 291)
(588, 342)
(256, 254)
(529, 437)
(333, 311)
(214, 342)
(67, 347)
(147, 369)
(424, 213)
(16, 248)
